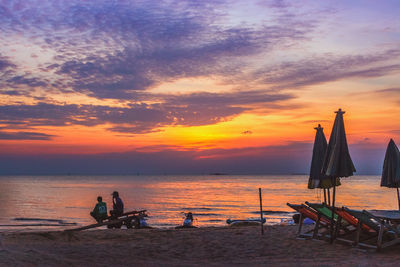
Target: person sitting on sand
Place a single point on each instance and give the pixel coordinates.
(99, 212)
(118, 205)
(188, 220)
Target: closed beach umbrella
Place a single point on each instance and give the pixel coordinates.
(317, 179)
(337, 162)
(319, 151)
(391, 168)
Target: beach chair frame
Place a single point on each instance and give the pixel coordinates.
(342, 228)
(307, 212)
(367, 231)
(383, 229)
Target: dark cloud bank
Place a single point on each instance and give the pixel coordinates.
(188, 110)
(293, 158)
(24, 136)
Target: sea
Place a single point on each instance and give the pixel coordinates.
(61, 202)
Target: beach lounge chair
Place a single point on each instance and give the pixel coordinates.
(348, 223)
(324, 212)
(345, 225)
(322, 208)
(348, 228)
(307, 212)
(385, 234)
(345, 215)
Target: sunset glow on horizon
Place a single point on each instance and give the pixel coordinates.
(217, 85)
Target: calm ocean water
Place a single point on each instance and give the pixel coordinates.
(212, 199)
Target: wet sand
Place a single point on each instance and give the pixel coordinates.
(201, 246)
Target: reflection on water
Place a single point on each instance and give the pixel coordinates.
(212, 199)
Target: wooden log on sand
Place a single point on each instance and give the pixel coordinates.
(124, 217)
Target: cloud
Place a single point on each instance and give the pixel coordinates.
(24, 136)
(279, 4)
(140, 128)
(189, 110)
(110, 49)
(6, 68)
(233, 161)
(13, 83)
(5, 63)
(132, 69)
(293, 157)
(328, 68)
(389, 91)
(31, 82)
(113, 49)
(391, 94)
(237, 98)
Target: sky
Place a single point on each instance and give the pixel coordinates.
(165, 87)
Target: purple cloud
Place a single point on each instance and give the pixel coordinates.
(112, 49)
(188, 110)
(389, 91)
(31, 82)
(24, 136)
(233, 161)
(119, 75)
(328, 68)
(5, 63)
(283, 159)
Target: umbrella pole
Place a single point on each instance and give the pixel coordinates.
(329, 196)
(261, 211)
(398, 196)
(333, 209)
(325, 195)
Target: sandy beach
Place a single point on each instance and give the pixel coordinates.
(201, 246)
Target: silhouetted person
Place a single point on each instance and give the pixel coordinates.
(118, 205)
(188, 220)
(99, 212)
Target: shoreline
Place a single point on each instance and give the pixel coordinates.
(196, 246)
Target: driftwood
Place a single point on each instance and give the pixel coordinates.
(126, 217)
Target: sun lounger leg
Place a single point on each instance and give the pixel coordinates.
(338, 223)
(380, 236)
(316, 227)
(358, 233)
(300, 224)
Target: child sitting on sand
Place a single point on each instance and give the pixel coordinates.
(188, 220)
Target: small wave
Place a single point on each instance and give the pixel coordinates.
(164, 224)
(266, 212)
(60, 222)
(188, 208)
(35, 224)
(216, 220)
(206, 214)
(281, 217)
(37, 219)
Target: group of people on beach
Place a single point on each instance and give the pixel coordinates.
(99, 212)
